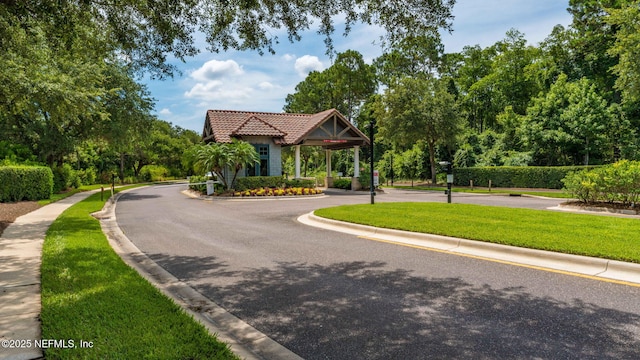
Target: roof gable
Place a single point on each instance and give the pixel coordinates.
(254, 126)
(328, 128)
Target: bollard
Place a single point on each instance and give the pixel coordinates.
(101, 193)
(489, 185)
(471, 184)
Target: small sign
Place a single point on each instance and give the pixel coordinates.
(336, 141)
(376, 178)
(450, 178)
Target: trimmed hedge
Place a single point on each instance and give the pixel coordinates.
(19, 183)
(257, 182)
(342, 184)
(515, 176)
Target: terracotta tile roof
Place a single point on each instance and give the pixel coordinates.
(291, 129)
(254, 126)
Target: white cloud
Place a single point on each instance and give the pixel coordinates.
(307, 63)
(165, 112)
(265, 85)
(288, 57)
(214, 69)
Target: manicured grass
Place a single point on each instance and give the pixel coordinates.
(90, 294)
(591, 235)
(498, 191)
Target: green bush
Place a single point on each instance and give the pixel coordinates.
(198, 179)
(342, 184)
(64, 177)
(515, 176)
(303, 183)
(255, 182)
(87, 176)
(19, 183)
(154, 173)
(619, 182)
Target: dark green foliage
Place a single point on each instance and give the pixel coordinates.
(198, 179)
(19, 183)
(154, 173)
(255, 182)
(304, 183)
(515, 176)
(342, 184)
(64, 177)
(619, 182)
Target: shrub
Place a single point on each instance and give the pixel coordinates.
(198, 179)
(64, 177)
(87, 176)
(619, 182)
(303, 183)
(515, 176)
(19, 183)
(342, 184)
(154, 173)
(255, 182)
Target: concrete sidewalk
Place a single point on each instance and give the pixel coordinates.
(20, 259)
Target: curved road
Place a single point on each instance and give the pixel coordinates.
(328, 295)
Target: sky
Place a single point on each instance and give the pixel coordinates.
(247, 81)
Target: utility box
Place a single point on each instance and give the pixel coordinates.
(210, 187)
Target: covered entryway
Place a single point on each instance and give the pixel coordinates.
(334, 132)
(269, 132)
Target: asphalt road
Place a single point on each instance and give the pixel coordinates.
(328, 295)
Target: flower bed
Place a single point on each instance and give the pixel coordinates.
(291, 191)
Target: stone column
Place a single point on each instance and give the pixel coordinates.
(328, 181)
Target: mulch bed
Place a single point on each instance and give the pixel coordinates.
(9, 212)
(603, 207)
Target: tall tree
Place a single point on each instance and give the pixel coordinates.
(594, 37)
(345, 86)
(627, 49)
(416, 55)
(569, 125)
(417, 109)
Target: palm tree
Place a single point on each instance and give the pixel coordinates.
(240, 154)
(218, 157)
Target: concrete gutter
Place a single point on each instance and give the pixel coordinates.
(583, 265)
(243, 339)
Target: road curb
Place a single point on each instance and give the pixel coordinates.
(243, 339)
(584, 265)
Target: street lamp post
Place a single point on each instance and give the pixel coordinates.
(371, 187)
(449, 178)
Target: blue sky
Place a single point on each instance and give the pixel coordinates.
(247, 81)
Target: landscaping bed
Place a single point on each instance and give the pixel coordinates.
(609, 207)
(9, 212)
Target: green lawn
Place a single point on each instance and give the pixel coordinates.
(90, 294)
(591, 235)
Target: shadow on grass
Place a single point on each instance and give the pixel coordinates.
(88, 293)
(363, 310)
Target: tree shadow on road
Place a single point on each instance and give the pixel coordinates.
(364, 310)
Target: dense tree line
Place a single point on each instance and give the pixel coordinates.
(68, 68)
(573, 99)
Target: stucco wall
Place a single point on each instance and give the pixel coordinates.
(275, 154)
